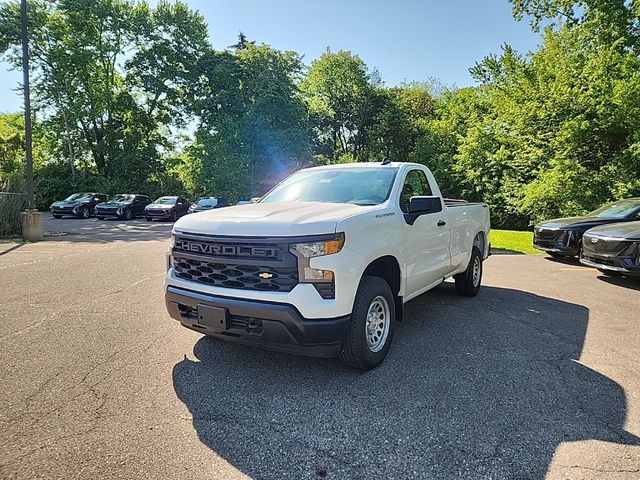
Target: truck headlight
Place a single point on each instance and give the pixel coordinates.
(317, 249)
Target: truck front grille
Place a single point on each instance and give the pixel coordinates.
(254, 277)
(252, 264)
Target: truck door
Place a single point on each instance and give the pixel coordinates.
(427, 240)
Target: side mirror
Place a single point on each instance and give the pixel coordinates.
(255, 199)
(422, 206)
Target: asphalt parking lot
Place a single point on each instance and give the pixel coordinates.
(536, 377)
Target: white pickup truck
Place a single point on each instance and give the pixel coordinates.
(323, 264)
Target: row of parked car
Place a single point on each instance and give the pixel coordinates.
(126, 206)
(607, 238)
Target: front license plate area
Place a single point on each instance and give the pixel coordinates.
(212, 317)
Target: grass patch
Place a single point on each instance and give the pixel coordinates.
(521, 242)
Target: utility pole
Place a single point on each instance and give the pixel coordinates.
(31, 219)
(27, 104)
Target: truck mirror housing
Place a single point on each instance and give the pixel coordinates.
(422, 206)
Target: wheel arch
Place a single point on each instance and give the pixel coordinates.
(480, 241)
(388, 269)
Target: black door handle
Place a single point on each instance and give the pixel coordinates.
(441, 223)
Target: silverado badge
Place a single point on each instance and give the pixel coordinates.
(265, 275)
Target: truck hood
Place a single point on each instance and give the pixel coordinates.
(627, 231)
(270, 219)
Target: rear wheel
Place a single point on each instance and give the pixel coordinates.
(468, 282)
(372, 324)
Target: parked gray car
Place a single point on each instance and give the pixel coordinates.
(613, 249)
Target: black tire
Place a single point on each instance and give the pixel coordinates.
(128, 214)
(356, 349)
(149, 219)
(556, 255)
(84, 213)
(100, 218)
(467, 283)
(174, 216)
(57, 216)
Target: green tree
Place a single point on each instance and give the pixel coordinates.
(253, 123)
(110, 78)
(341, 101)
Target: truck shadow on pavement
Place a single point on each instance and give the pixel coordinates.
(472, 388)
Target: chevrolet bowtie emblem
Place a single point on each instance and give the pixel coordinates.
(265, 275)
(594, 240)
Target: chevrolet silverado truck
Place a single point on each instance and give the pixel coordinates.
(323, 264)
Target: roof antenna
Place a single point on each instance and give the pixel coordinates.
(386, 161)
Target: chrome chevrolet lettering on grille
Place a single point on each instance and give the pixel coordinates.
(226, 250)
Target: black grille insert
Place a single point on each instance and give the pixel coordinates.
(244, 263)
(266, 278)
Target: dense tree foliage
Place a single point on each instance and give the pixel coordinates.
(130, 97)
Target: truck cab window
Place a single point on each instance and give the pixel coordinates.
(415, 185)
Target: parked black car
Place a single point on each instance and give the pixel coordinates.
(208, 203)
(79, 205)
(563, 236)
(167, 207)
(124, 206)
(613, 249)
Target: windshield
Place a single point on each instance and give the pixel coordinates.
(360, 186)
(166, 201)
(619, 209)
(121, 198)
(207, 202)
(78, 196)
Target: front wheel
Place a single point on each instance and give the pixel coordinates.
(468, 282)
(372, 324)
(57, 216)
(149, 219)
(84, 212)
(174, 216)
(128, 214)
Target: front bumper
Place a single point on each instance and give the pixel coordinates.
(273, 326)
(108, 213)
(65, 211)
(158, 214)
(623, 265)
(562, 242)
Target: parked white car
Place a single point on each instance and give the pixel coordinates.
(324, 263)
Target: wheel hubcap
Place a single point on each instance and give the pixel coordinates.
(377, 323)
(477, 270)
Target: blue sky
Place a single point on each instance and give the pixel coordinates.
(407, 40)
